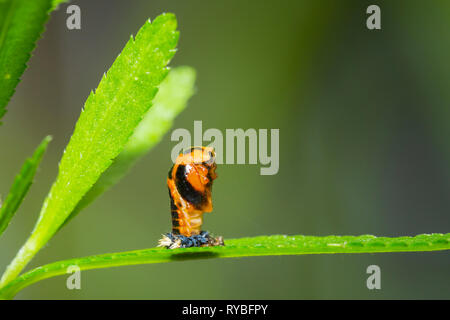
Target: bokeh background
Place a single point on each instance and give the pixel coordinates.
(364, 123)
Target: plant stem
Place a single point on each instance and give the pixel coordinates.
(244, 247)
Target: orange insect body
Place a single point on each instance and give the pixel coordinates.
(190, 182)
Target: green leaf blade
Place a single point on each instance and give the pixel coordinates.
(108, 120)
(21, 24)
(130, 85)
(172, 97)
(234, 248)
(21, 185)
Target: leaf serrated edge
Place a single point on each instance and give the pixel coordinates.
(24, 64)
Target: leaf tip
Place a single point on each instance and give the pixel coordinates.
(166, 18)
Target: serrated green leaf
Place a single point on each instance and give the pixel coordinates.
(171, 99)
(109, 118)
(21, 185)
(238, 248)
(21, 23)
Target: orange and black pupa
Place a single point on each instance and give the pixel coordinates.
(190, 182)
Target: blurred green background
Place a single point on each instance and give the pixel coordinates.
(364, 145)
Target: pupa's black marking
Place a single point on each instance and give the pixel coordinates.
(173, 207)
(174, 212)
(185, 189)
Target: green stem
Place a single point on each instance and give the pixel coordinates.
(244, 247)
